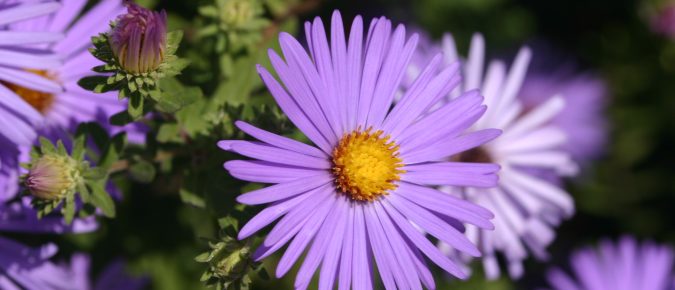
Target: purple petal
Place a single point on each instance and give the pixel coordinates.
(272, 213)
(273, 154)
(289, 106)
(434, 225)
(452, 173)
(279, 141)
(284, 190)
(422, 243)
(265, 172)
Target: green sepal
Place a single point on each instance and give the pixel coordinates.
(68, 209)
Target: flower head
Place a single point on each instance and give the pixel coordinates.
(583, 119)
(138, 39)
(526, 206)
(53, 176)
(625, 265)
(368, 178)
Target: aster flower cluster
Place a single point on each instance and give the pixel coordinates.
(361, 155)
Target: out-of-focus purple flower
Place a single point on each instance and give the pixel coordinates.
(76, 276)
(138, 39)
(71, 105)
(9, 169)
(526, 206)
(583, 118)
(369, 177)
(662, 21)
(626, 265)
(22, 266)
(22, 51)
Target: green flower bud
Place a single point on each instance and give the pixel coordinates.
(52, 176)
(237, 13)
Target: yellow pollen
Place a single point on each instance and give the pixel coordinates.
(366, 165)
(41, 101)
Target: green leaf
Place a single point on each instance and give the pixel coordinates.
(68, 209)
(208, 11)
(175, 96)
(135, 106)
(121, 119)
(85, 195)
(98, 135)
(173, 39)
(78, 142)
(191, 198)
(101, 199)
(112, 152)
(169, 133)
(143, 171)
(91, 82)
(204, 257)
(96, 173)
(174, 67)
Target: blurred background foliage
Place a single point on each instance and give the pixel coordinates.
(161, 226)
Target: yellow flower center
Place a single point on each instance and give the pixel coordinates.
(41, 101)
(366, 165)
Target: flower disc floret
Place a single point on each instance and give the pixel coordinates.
(366, 165)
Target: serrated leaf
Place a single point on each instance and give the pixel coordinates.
(174, 67)
(175, 96)
(173, 39)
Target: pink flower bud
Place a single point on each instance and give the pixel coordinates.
(138, 39)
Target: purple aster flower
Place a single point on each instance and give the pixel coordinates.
(583, 118)
(21, 265)
(527, 207)
(368, 178)
(626, 265)
(138, 39)
(22, 51)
